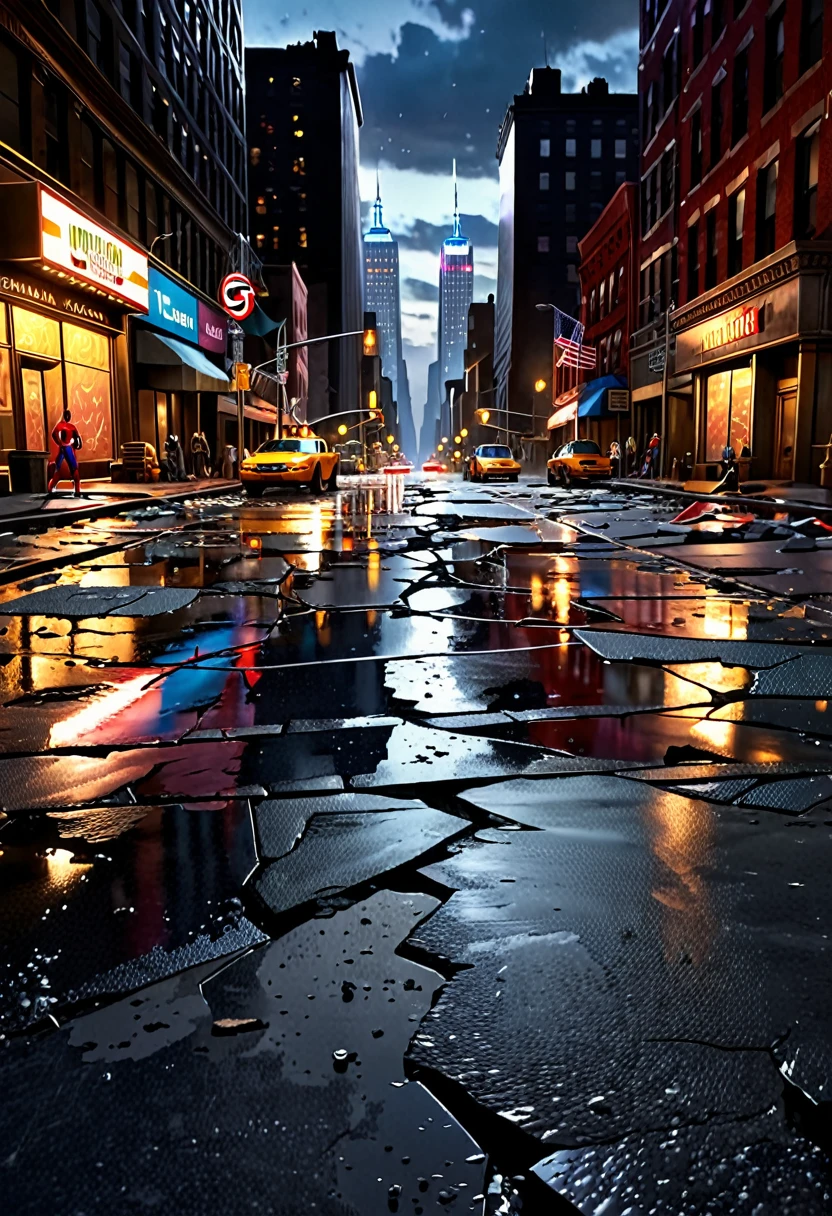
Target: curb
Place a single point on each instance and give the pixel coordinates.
(21, 523)
(783, 504)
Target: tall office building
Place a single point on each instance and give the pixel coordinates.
(303, 112)
(121, 128)
(381, 291)
(562, 157)
(456, 293)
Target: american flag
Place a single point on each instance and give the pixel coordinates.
(569, 336)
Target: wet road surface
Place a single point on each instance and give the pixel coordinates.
(421, 847)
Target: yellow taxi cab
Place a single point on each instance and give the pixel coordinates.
(300, 459)
(579, 460)
(491, 460)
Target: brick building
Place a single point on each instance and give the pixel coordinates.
(608, 275)
(736, 228)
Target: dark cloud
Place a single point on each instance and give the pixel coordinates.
(418, 289)
(438, 99)
(422, 235)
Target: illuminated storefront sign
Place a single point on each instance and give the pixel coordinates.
(742, 323)
(212, 329)
(83, 251)
(171, 307)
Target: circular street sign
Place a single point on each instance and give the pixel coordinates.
(236, 294)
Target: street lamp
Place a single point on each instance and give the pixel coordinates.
(342, 429)
(163, 236)
(539, 385)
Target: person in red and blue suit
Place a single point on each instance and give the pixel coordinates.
(68, 441)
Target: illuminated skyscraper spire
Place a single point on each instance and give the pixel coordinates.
(457, 229)
(378, 222)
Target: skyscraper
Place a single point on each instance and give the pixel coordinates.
(381, 291)
(456, 293)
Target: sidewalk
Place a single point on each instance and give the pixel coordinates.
(98, 498)
(775, 493)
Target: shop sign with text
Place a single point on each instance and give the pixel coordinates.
(731, 327)
(83, 250)
(171, 307)
(213, 329)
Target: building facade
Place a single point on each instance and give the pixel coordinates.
(382, 291)
(737, 234)
(479, 378)
(303, 112)
(121, 135)
(562, 157)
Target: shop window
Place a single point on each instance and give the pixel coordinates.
(728, 412)
(811, 33)
(767, 210)
(806, 193)
(545, 147)
(696, 149)
(110, 174)
(736, 220)
(775, 48)
(693, 261)
(717, 123)
(739, 98)
(710, 249)
(6, 415)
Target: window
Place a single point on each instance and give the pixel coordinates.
(775, 46)
(806, 192)
(717, 19)
(131, 198)
(696, 149)
(569, 213)
(110, 167)
(87, 179)
(571, 273)
(94, 47)
(616, 350)
(728, 412)
(693, 261)
(602, 298)
(717, 123)
(595, 149)
(571, 244)
(621, 149)
(592, 306)
(619, 287)
(620, 177)
(698, 32)
(766, 209)
(710, 249)
(739, 98)
(544, 181)
(571, 147)
(736, 218)
(649, 115)
(811, 33)
(543, 244)
(545, 147)
(570, 180)
(9, 97)
(151, 226)
(595, 180)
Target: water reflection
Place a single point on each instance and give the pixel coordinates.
(682, 839)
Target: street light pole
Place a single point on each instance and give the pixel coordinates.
(281, 359)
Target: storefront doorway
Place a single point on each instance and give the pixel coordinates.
(784, 429)
(727, 413)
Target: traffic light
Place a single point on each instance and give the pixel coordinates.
(370, 342)
(483, 416)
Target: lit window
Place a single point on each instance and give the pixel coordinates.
(545, 147)
(570, 180)
(571, 273)
(302, 238)
(544, 181)
(571, 244)
(621, 149)
(261, 204)
(571, 147)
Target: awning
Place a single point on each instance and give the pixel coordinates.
(176, 365)
(565, 414)
(256, 408)
(258, 324)
(594, 395)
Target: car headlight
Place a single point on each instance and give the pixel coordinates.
(248, 464)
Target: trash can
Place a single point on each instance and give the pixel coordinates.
(28, 472)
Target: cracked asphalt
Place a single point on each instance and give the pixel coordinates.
(421, 847)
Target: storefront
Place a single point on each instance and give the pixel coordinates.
(760, 358)
(603, 409)
(65, 286)
(179, 353)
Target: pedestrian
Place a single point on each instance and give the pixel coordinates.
(68, 441)
(632, 456)
(653, 448)
(615, 457)
(200, 455)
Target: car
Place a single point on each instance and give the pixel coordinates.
(434, 466)
(491, 460)
(579, 460)
(299, 460)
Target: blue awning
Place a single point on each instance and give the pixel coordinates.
(185, 367)
(594, 395)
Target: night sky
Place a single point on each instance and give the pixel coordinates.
(435, 79)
